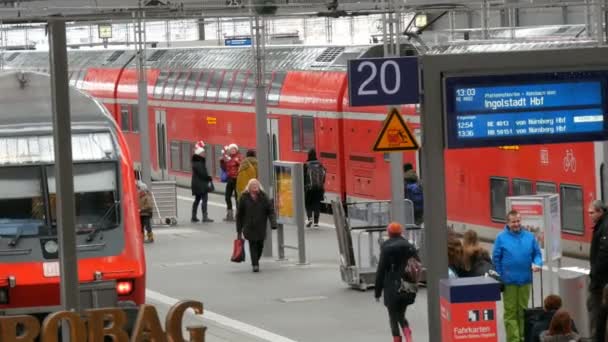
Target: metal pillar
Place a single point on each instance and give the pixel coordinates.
(62, 141)
(433, 166)
(201, 29)
(391, 29)
(142, 99)
(261, 129)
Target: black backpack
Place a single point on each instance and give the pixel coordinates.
(316, 175)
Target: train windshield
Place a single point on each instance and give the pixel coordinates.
(95, 195)
(22, 208)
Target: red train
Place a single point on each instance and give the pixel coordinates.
(111, 265)
(208, 93)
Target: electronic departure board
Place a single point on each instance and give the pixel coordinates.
(526, 108)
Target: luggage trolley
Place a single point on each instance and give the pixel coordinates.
(366, 221)
(164, 195)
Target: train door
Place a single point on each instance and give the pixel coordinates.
(161, 142)
(273, 131)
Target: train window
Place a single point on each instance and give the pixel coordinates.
(522, 187)
(134, 118)
(274, 93)
(160, 84)
(124, 118)
(178, 92)
(175, 156)
(302, 132)
(170, 86)
(249, 91)
(214, 85)
(94, 189)
(571, 197)
(186, 155)
(201, 89)
(308, 132)
(546, 188)
(222, 95)
(20, 198)
(499, 190)
(295, 133)
(191, 86)
(237, 88)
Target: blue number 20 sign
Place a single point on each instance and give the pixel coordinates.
(383, 81)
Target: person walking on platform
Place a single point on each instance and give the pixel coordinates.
(598, 261)
(247, 170)
(413, 191)
(394, 255)
(201, 183)
(516, 255)
(314, 187)
(145, 210)
(230, 162)
(254, 211)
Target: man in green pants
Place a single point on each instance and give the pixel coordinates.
(516, 255)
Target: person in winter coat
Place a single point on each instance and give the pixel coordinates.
(247, 170)
(253, 213)
(560, 329)
(476, 260)
(314, 187)
(413, 191)
(394, 255)
(145, 210)
(516, 255)
(598, 261)
(551, 304)
(201, 183)
(230, 162)
(455, 252)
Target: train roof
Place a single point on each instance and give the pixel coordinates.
(25, 100)
(278, 58)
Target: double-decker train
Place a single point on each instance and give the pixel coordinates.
(208, 94)
(111, 264)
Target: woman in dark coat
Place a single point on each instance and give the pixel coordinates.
(201, 182)
(254, 210)
(394, 254)
(313, 193)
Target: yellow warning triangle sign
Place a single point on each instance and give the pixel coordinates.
(395, 135)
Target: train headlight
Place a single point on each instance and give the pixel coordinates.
(51, 247)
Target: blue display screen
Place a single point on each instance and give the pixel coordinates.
(526, 109)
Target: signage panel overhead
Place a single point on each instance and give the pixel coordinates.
(383, 81)
(526, 108)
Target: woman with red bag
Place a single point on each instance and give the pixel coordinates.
(254, 210)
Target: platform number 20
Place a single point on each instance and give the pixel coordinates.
(384, 68)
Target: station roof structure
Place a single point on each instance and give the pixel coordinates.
(13, 11)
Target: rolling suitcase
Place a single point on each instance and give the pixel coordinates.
(533, 314)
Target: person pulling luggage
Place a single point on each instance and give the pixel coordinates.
(395, 255)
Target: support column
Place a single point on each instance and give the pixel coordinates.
(62, 141)
(261, 119)
(201, 29)
(142, 98)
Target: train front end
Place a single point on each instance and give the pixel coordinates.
(111, 265)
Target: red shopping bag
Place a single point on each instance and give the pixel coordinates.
(238, 251)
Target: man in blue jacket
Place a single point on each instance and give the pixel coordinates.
(516, 255)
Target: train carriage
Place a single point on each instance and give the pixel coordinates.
(208, 93)
(109, 242)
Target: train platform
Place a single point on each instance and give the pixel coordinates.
(284, 302)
